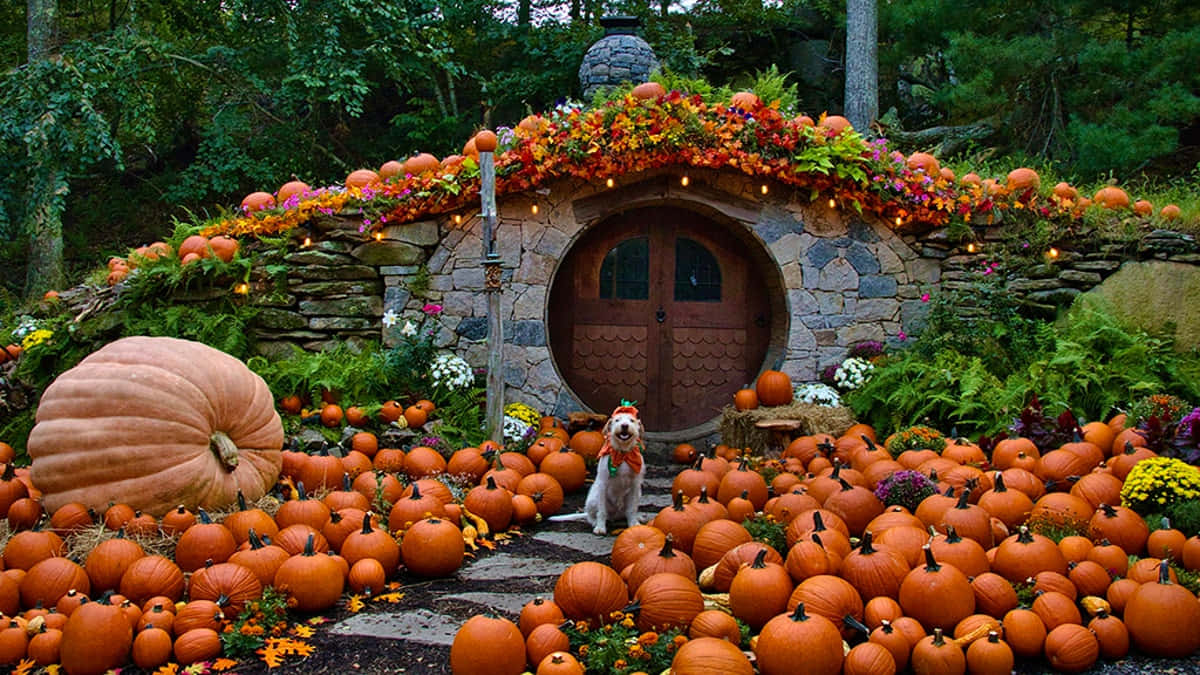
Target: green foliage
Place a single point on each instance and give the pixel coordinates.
(771, 85)
(461, 417)
(619, 647)
(355, 372)
(766, 529)
(257, 622)
(226, 329)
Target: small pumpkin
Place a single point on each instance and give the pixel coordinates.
(487, 644)
(789, 639)
(774, 388)
(96, 639)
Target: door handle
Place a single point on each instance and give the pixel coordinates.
(660, 315)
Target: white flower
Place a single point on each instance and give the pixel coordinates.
(409, 329)
(451, 371)
(390, 318)
(514, 429)
(818, 393)
(853, 373)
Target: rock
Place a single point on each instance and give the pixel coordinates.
(339, 323)
(1033, 285)
(280, 319)
(862, 259)
(327, 288)
(529, 333)
(1080, 277)
(326, 272)
(821, 254)
(1150, 294)
(838, 275)
(1055, 296)
(877, 287)
(388, 252)
(473, 328)
(419, 233)
(310, 256)
(369, 305)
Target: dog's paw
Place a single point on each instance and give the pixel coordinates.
(600, 529)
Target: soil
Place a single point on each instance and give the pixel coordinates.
(339, 654)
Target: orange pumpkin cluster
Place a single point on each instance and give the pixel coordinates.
(192, 249)
(858, 570)
(651, 128)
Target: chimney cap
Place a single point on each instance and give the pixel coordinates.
(620, 25)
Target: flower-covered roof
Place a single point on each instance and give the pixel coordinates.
(823, 159)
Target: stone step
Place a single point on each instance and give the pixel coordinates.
(508, 603)
(412, 624)
(506, 566)
(657, 484)
(585, 542)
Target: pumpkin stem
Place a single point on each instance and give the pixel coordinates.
(678, 501)
(633, 608)
(225, 450)
(1025, 536)
(962, 499)
(999, 485)
(9, 472)
(816, 538)
(799, 614)
(241, 501)
(865, 548)
(203, 516)
(335, 517)
(703, 498)
(491, 483)
(308, 547)
(818, 522)
(952, 536)
(1109, 511)
(845, 486)
(346, 481)
(1165, 523)
(300, 494)
(1164, 572)
(366, 523)
(868, 441)
(993, 637)
(745, 495)
(416, 489)
(760, 559)
(931, 565)
(255, 542)
(857, 625)
(668, 549)
(938, 640)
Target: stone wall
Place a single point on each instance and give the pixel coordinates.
(836, 278)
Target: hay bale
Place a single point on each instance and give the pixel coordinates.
(738, 430)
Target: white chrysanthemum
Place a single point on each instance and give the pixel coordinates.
(514, 429)
(853, 373)
(818, 393)
(451, 371)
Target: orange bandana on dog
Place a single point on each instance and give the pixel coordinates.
(633, 457)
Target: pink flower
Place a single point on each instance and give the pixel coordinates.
(432, 309)
(924, 297)
(901, 336)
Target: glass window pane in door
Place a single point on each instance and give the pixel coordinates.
(625, 271)
(697, 274)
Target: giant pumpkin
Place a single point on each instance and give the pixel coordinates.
(155, 422)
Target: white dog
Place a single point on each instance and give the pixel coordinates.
(619, 474)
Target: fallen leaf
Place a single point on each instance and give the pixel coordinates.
(354, 604)
(221, 665)
(489, 545)
(199, 668)
(317, 621)
(169, 669)
(272, 658)
(393, 598)
(24, 667)
(302, 631)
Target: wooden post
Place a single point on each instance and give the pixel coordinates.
(491, 280)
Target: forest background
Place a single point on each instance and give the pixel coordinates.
(119, 116)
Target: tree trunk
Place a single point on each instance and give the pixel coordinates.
(48, 184)
(862, 64)
(41, 21)
(524, 12)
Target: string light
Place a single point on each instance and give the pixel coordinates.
(832, 203)
(242, 288)
(683, 181)
(458, 219)
(609, 182)
(971, 248)
(307, 242)
(533, 209)
(899, 221)
(764, 188)
(1053, 252)
(378, 235)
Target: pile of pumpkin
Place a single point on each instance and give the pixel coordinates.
(190, 250)
(161, 416)
(935, 590)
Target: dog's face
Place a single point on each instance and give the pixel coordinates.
(623, 430)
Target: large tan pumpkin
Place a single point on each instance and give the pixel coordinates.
(155, 422)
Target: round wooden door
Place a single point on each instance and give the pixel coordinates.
(659, 306)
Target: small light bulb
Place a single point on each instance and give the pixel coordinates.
(683, 181)
(458, 219)
(764, 188)
(307, 241)
(971, 247)
(832, 203)
(1053, 252)
(242, 288)
(534, 209)
(898, 220)
(378, 236)
(609, 182)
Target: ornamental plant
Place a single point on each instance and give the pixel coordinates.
(1155, 484)
(619, 647)
(905, 488)
(853, 373)
(450, 372)
(1186, 444)
(817, 393)
(918, 437)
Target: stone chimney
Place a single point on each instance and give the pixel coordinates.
(619, 56)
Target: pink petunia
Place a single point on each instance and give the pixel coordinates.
(432, 309)
(924, 297)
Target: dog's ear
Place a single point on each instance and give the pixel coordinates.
(607, 430)
(641, 428)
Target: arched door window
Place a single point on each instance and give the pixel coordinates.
(625, 271)
(697, 273)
